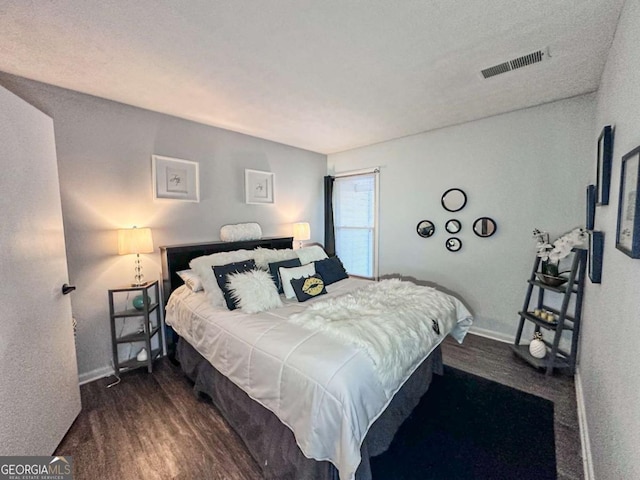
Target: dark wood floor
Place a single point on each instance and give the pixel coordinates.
(153, 427)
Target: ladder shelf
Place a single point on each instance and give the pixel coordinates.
(564, 322)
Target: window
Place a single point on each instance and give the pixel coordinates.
(355, 220)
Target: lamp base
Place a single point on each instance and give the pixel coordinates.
(143, 284)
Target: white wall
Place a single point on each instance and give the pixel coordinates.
(104, 155)
(609, 370)
(525, 169)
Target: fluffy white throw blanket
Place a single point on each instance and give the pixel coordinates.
(392, 321)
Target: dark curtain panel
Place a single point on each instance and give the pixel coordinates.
(329, 231)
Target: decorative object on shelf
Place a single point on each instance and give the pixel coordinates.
(425, 228)
(240, 232)
(135, 240)
(301, 232)
(551, 254)
(142, 355)
(545, 315)
(605, 157)
(138, 302)
(453, 200)
(550, 269)
(484, 227)
(259, 187)
(591, 207)
(596, 249)
(453, 226)
(537, 348)
(628, 231)
(453, 244)
(551, 280)
(175, 179)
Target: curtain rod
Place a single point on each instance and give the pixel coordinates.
(357, 172)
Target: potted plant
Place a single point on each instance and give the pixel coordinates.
(552, 253)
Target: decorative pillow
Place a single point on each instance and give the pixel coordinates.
(253, 291)
(202, 266)
(310, 254)
(241, 231)
(286, 274)
(331, 270)
(191, 280)
(309, 287)
(265, 256)
(223, 271)
(275, 267)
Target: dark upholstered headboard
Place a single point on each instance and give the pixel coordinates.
(177, 257)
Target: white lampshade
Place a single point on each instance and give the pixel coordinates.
(135, 240)
(301, 231)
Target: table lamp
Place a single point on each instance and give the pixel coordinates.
(301, 231)
(135, 240)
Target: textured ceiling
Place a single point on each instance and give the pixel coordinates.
(324, 75)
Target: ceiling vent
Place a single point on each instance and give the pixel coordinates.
(519, 62)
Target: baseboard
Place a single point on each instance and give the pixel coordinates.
(587, 459)
(95, 374)
(500, 337)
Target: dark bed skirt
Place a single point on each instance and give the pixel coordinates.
(272, 444)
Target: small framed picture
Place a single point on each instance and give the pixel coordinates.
(175, 179)
(596, 249)
(628, 231)
(259, 187)
(605, 157)
(591, 207)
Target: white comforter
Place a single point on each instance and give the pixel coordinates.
(327, 390)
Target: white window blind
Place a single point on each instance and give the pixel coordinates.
(355, 218)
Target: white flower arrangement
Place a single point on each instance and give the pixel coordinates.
(556, 251)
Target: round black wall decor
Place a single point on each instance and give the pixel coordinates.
(454, 200)
(425, 228)
(453, 244)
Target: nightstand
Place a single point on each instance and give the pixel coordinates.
(123, 316)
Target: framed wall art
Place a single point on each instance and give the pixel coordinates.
(628, 231)
(259, 187)
(591, 207)
(175, 179)
(596, 249)
(605, 157)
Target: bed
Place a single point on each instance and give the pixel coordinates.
(307, 403)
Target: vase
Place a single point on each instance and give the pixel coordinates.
(537, 348)
(138, 302)
(550, 268)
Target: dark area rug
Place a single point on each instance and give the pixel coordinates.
(467, 427)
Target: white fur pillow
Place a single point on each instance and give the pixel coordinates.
(286, 274)
(241, 231)
(264, 256)
(202, 266)
(311, 254)
(253, 291)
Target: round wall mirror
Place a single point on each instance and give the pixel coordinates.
(454, 200)
(484, 227)
(426, 228)
(453, 226)
(453, 244)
